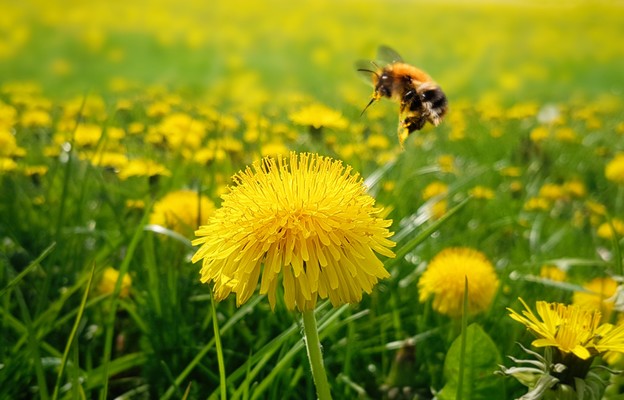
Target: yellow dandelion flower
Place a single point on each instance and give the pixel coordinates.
(512, 172)
(274, 149)
(434, 189)
(87, 135)
(553, 273)
(551, 191)
(306, 218)
(109, 280)
(36, 118)
(438, 209)
(575, 188)
(182, 211)
(481, 192)
(607, 230)
(444, 280)
(135, 204)
(566, 134)
(599, 296)
(143, 167)
(377, 141)
(109, 159)
(537, 204)
(8, 143)
(539, 134)
(570, 329)
(317, 116)
(446, 162)
(614, 171)
(7, 164)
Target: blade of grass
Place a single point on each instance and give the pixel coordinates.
(33, 344)
(231, 322)
(28, 269)
(72, 335)
(422, 236)
(110, 321)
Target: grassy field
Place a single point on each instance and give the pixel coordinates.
(122, 124)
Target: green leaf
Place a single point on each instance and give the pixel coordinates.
(481, 360)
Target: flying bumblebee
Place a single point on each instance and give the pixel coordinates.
(419, 97)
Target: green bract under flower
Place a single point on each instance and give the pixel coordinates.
(306, 219)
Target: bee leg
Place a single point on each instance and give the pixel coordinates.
(414, 123)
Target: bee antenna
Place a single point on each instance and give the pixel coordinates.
(368, 105)
(369, 70)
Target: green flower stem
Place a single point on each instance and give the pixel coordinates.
(313, 345)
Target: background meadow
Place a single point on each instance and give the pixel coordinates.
(115, 115)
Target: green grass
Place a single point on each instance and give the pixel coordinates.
(239, 72)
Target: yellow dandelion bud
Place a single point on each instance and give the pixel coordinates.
(444, 280)
(305, 221)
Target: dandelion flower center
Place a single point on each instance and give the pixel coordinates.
(308, 221)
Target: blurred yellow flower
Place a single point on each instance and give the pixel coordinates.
(575, 188)
(607, 230)
(306, 218)
(274, 149)
(539, 134)
(553, 273)
(434, 189)
(510, 171)
(36, 118)
(317, 116)
(599, 296)
(109, 280)
(444, 280)
(537, 204)
(551, 191)
(481, 192)
(86, 135)
(446, 162)
(143, 167)
(7, 164)
(614, 171)
(182, 211)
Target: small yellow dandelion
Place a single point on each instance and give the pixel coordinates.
(109, 280)
(553, 273)
(181, 211)
(305, 219)
(444, 280)
(609, 229)
(599, 296)
(614, 171)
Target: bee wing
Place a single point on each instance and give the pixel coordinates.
(388, 55)
(366, 69)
